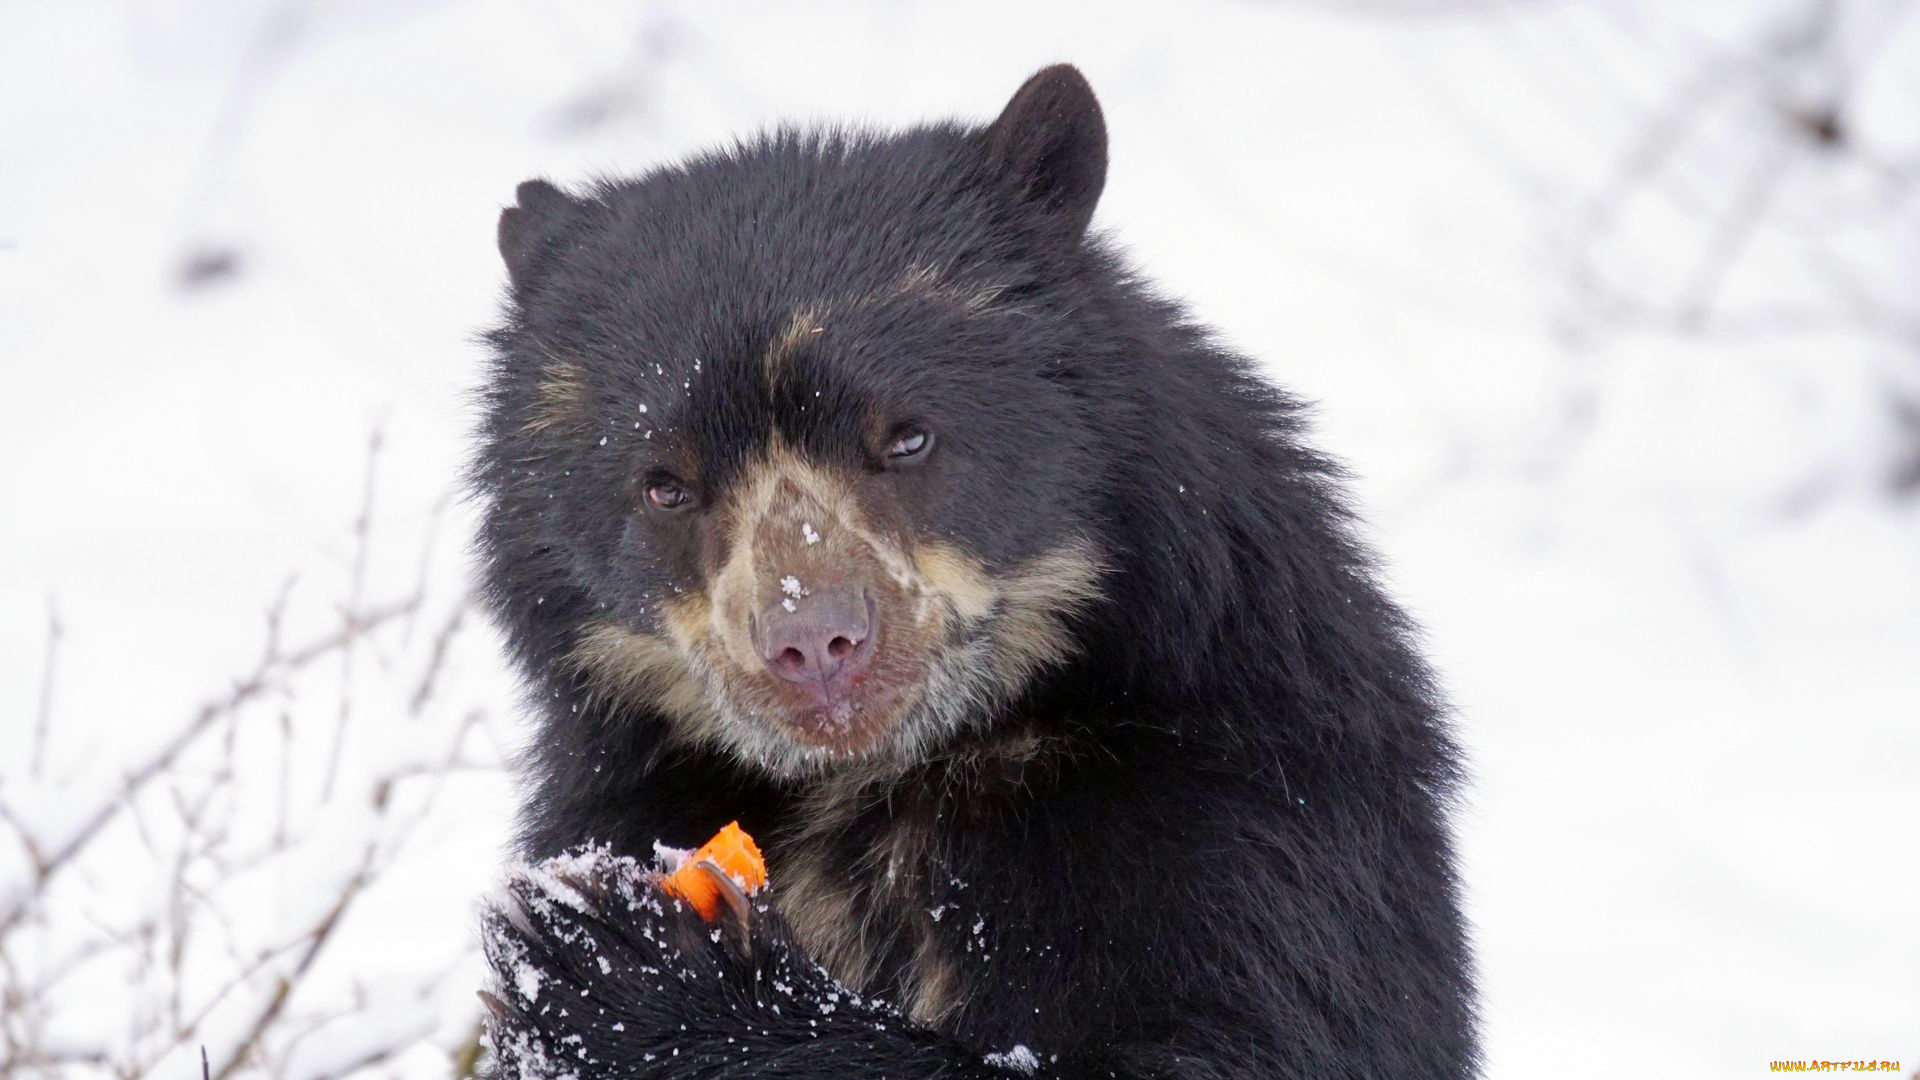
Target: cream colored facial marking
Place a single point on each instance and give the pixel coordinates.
(805, 323)
(626, 666)
(779, 502)
(559, 399)
(922, 279)
(919, 280)
(960, 641)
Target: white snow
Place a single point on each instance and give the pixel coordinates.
(670, 858)
(1018, 1059)
(1659, 554)
(526, 980)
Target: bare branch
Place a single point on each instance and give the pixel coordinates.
(436, 659)
(362, 537)
(284, 987)
(44, 719)
(247, 690)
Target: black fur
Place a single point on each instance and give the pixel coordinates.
(1224, 853)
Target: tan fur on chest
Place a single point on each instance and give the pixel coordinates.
(828, 926)
(851, 917)
(851, 921)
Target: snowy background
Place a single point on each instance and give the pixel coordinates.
(1613, 306)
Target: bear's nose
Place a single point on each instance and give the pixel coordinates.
(819, 639)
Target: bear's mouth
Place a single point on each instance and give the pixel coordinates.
(850, 726)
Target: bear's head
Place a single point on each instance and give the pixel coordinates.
(786, 446)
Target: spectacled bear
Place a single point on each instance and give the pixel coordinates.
(843, 484)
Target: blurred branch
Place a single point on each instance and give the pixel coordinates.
(424, 692)
(1788, 99)
(1731, 234)
(247, 690)
(362, 535)
(43, 721)
(284, 986)
(240, 793)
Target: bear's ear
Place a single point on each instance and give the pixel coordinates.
(1050, 145)
(527, 230)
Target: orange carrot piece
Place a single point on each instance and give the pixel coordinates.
(734, 854)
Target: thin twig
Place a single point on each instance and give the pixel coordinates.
(1731, 234)
(284, 986)
(423, 571)
(436, 659)
(43, 722)
(249, 688)
(362, 537)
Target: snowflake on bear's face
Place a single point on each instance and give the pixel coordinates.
(844, 526)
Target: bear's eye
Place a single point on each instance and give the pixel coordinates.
(668, 495)
(908, 445)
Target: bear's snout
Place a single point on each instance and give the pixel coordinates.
(819, 639)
